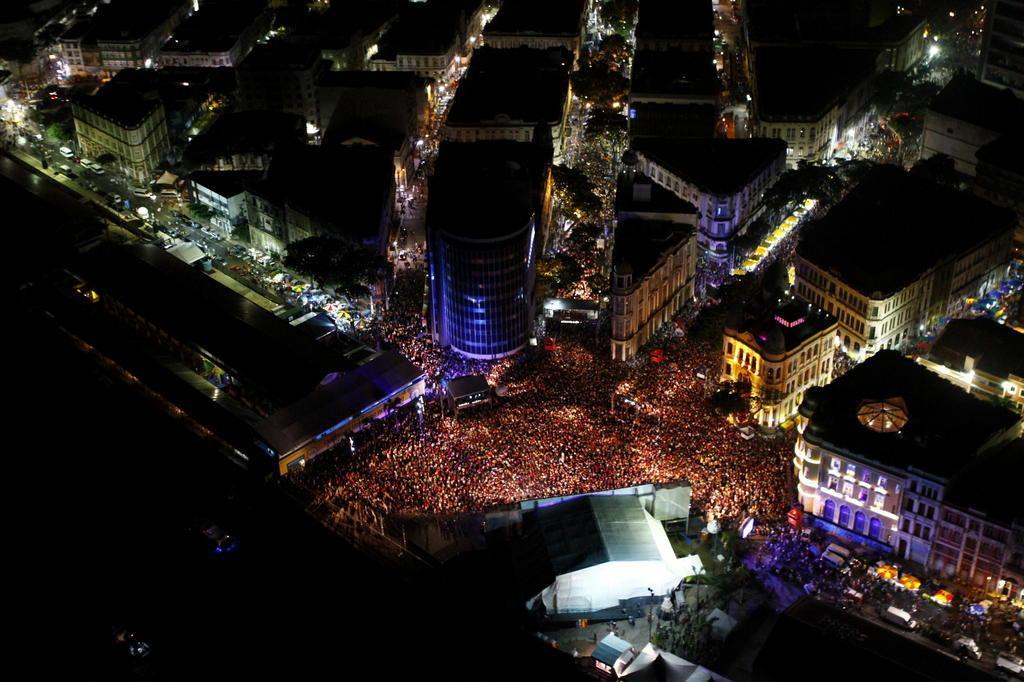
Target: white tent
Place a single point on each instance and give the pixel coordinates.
(187, 251)
(606, 549)
(655, 665)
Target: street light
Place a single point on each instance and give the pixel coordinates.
(650, 615)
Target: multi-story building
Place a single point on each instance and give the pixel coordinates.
(79, 49)
(344, 191)
(999, 177)
(282, 76)
(725, 179)
(980, 534)
(654, 266)
(117, 120)
(813, 97)
(675, 25)
(982, 357)
(221, 33)
(425, 39)
(898, 36)
(487, 221)
(879, 446)
(895, 256)
(388, 109)
(1002, 51)
(129, 34)
(508, 94)
(673, 93)
(223, 192)
(209, 365)
(538, 24)
(781, 348)
(244, 140)
(967, 115)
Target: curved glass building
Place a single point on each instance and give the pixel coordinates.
(482, 226)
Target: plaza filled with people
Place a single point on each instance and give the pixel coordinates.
(570, 421)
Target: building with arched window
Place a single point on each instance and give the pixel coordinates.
(881, 447)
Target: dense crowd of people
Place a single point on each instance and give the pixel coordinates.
(560, 429)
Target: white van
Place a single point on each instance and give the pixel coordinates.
(899, 617)
(833, 558)
(66, 152)
(838, 549)
(1011, 663)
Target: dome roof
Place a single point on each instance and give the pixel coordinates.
(883, 416)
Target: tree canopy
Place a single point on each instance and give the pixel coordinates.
(619, 15)
(613, 50)
(348, 267)
(599, 85)
(575, 195)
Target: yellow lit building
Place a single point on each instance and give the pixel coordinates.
(121, 122)
(781, 350)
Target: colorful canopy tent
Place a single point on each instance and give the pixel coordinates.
(943, 597)
(602, 550)
(655, 665)
(910, 582)
(888, 572)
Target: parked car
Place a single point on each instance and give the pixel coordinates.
(967, 647)
(218, 540)
(66, 152)
(899, 617)
(1010, 663)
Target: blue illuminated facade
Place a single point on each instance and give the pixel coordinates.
(482, 290)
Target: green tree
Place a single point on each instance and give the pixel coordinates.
(199, 210)
(60, 131)
(575, 195)
(348, 267)
(619, 15)
(597, 84)
(614, 50)
(559, 272)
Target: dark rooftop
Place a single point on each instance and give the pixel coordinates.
(421, 28)
(946, 426)
(523, 84)
(827, 634)
(781, 327)
(122, 104)
(251, 342)
(654, 119)
(131, 19)
(674, 72)
(77, 31)
(339, 398)
(282, 55)
(806, 81)
(486, 190)
(640, 244)
(216, 26)
(719, 166)
(986, 106)
(544, 17)
(679, 19)
(837, 22)
(997, 349)
(348, 186)
(991, 485)
(245, 132)
(1005, 152)
(920, 223)
(644, 196)
(389, 80)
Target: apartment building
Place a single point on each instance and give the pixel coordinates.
(117, 120)
(898, 254)
(781, 348)
(1002, 51)
(879, 447)
(282, 76)
(725, 179)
